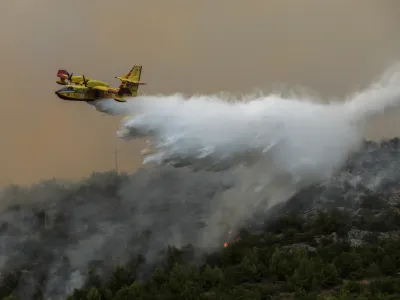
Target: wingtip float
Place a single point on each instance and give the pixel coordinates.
(81, 88)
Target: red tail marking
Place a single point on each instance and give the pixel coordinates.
(127, 76)
(62, 74)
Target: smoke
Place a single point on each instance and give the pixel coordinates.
(54, 231)
(382, 95)
(274, 145)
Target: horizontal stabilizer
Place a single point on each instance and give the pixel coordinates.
(130, 81)
(62, 81)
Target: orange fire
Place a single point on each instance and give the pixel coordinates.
(237, 239)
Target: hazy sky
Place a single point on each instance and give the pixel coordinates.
(332, 47)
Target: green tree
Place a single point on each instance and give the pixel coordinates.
(242, 293)
(211, 277)
(349, 264)
(330, 275)
(251, 268)
(93, 294)
(279, 266)
(373, 270)
(388, 265)
(353, 287)
(303, 276)
(134, 291)
(121, 277)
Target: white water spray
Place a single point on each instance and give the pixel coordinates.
(283, 143)
(299, 136)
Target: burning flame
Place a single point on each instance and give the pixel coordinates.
(226, 244)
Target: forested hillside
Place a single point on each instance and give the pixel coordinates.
(336, 240)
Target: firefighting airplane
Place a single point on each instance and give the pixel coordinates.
(86, 89)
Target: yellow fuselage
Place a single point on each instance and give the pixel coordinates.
(82, 94)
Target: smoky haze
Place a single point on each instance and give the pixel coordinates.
(332, 48)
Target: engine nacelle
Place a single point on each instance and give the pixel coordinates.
(93, 83)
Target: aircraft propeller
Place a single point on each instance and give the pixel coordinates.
(84, 80)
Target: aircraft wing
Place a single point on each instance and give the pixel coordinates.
(101, 88)
(110, 90)
(105, 89)
(129, 80)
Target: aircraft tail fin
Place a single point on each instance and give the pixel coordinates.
(63, 75)
(135, 73)
(130, 82)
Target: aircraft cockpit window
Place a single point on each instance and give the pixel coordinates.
(67, 89)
